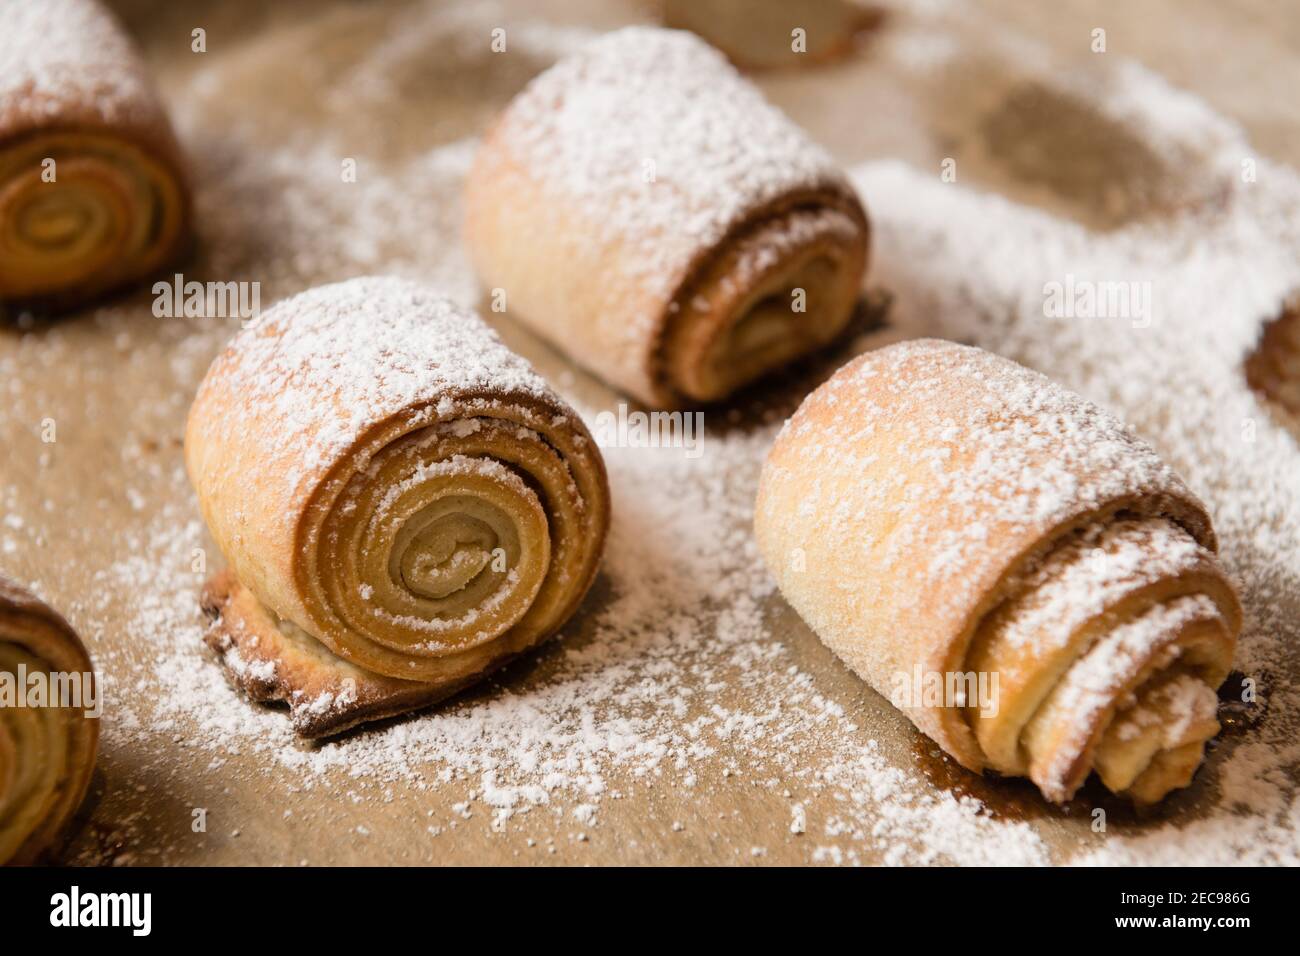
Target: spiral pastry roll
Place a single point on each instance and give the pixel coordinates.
(92, 193)
(49, 729)
(403, 503)
(644, 208)
(947, 520)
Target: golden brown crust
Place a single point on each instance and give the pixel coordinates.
(32, 823)
(353, 455)
(274, 664)
(604, 264)
(913, 494)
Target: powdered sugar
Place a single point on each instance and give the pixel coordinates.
(974, 267)
(1175, 706)
(1093, 683)
(56, 54)
(684, 684)
(757, 253)
(1082, 579)
(677, 170)
(457, 465)
(1001, 435)
(1180, 128)
(322, 346)
(655, 685)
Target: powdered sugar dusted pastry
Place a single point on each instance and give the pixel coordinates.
(92, 193)
(946, 518)
(47, 742)
(403, 502)
(643, 207)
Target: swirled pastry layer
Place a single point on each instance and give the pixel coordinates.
(391, 482)
(92, 187)
(937, 509)
(47, 739)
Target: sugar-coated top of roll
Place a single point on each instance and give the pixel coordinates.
(68, 60)
(366, 348)
(925, 481)
(993, 438)
(656, 131)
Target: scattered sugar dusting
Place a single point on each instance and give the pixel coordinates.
(672, 677)
(977, 268)
(676, 670)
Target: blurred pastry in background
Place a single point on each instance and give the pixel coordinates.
(93, 192)
(776, 34)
